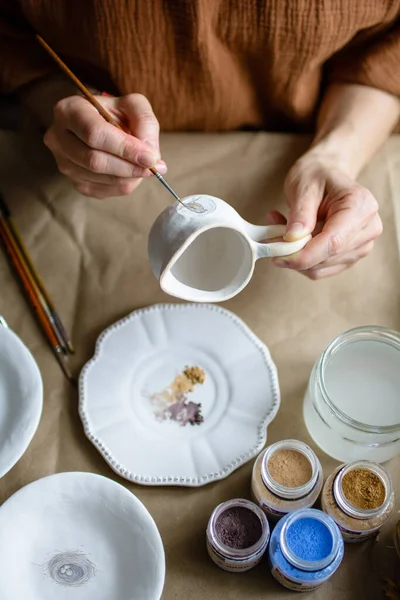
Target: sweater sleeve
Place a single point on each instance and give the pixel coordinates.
(371, 59)
(22, 60)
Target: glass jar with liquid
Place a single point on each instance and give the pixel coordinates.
(352, 404)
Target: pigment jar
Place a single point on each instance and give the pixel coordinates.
(286, 476)
(359, 497)
(306, 548)
(396, 538)
(237, 535)
(352, 404)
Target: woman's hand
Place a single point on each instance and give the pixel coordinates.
(342, 215)
(100, 159)
(324, 198)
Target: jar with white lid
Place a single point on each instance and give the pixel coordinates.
(357, 524)
(277, 499)
(231, 558)
(351, 407)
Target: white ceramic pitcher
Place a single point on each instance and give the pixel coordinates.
(207, 252)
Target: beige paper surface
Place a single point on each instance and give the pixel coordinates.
(93, 257)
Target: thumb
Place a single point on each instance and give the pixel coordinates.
(303, 208)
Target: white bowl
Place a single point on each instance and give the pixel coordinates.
(21, 399)
(80, 536)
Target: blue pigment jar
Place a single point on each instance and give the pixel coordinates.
(306, 548)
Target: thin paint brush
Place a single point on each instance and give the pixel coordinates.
(37, 281)
(38, 308)
(104, 113)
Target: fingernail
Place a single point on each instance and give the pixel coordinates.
(146, 159)
(281, 263)
(294, 232)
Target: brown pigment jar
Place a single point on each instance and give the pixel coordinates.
(357, 524)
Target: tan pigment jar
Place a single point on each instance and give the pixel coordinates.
(286, 476)
(359, 497)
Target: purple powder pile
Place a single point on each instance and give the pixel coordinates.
(185, 412)
(238, 527)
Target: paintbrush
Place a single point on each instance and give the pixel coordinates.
(104, 113)
(34, 296)
(35, 278)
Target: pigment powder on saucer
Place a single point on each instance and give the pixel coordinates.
(238, 527)
(290, 468)
(363, 489)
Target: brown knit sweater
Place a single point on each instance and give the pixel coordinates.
(209, 64)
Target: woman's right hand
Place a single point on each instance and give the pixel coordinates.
(100, 159)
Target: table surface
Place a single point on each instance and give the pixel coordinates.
(93, 258)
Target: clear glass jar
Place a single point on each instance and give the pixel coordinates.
(355, 523)
(275, 499)
(351, 406)
(296, 572)
(233, 559)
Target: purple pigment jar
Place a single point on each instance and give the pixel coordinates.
(305, 550)
(237, 535)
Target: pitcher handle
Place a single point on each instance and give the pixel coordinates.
(272, 249)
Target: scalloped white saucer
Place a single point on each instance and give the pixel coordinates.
(21, 399)
(79, 536)
(139, 356)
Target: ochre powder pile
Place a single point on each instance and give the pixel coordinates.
(363, 489)
(289, 468)
(195, 375)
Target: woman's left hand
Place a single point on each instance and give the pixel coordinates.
(341, 214)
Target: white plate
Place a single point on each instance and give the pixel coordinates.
(80, 536)
(21, 399)
(141, 355)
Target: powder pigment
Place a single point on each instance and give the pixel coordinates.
(309, 535)
(286, 476)
(238, 527)
(195, 375)
(342, 500)
(172, 403)
(290, 468)
(309, 539)
(363, 489)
